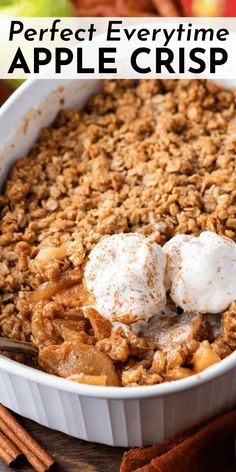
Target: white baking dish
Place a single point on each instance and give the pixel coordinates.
(111, 415)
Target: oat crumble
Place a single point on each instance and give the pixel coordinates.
(151, 156)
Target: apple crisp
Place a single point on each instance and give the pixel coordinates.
(155, 157)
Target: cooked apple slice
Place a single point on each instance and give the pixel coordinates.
(70, 358)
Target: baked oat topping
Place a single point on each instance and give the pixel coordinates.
(153, 157)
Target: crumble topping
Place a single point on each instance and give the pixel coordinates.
(153, 157)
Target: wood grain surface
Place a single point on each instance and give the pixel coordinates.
(72, 455)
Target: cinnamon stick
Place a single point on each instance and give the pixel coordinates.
(9, 453)
(6, 457)
(40, 460)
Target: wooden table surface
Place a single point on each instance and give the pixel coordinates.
(72, 455)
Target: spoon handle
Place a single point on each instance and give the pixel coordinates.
(12, 345)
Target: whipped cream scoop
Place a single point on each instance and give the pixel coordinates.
(125, 275)
(201, 272)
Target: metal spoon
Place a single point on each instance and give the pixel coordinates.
(12, 345)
